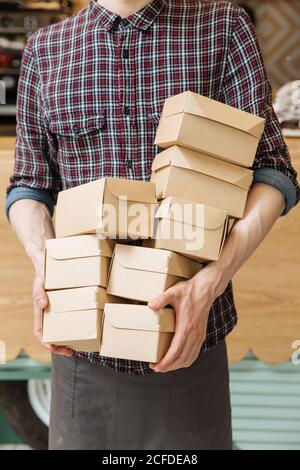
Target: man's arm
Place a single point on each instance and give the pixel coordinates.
(193, 299)
(32, 223)
(245, 85)
(35, 180)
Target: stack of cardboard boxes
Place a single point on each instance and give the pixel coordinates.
(85, 265)
(209, 147)
(98, 284)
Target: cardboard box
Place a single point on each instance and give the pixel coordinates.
(182, 172)
(115, 207)
(140, 273)
(193, 230)
(77, 262)
(135, 332)
(210, 127)
(74, 317)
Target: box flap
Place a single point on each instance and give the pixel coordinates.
(141, 258)
(199, 105)
(76, 210)
(78, 247)
(82, 298)
(195, 161)
(155, 260)
(174, 209)
(139, 317)
(134, 190)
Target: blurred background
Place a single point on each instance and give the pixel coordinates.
(276, 21)
(264, 349)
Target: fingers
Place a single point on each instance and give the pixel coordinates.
(174, 352)
(40, 302)
(162, 300)
(183, 350)
(186, 359)
(60, 350)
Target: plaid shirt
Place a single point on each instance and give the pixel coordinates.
(92, 88)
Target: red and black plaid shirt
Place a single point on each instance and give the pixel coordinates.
(91, 92)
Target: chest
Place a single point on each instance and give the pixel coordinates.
(101, 72)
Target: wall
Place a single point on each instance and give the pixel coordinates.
(278, 30)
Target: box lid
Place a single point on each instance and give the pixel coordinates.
(195, 161)
(83, 298)
(79, 247)
(155, 260)
(199, 105)
(173, 208)
(134, 190)
(140, 317)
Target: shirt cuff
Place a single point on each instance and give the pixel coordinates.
(20, 192)
(279, 181)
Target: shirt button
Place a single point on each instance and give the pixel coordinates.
(126, 54)
(126, 110)
(128, 163)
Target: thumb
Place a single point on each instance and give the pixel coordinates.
(42, 299)
(40, 295)
(161, 300)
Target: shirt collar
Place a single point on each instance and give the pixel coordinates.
(142, 19)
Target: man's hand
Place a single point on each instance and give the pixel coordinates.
(40, 302)
(32, 223)
(191, 301)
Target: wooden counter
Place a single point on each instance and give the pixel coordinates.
(267, 291)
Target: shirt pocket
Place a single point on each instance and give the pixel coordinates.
(81, 145)
(70, 128)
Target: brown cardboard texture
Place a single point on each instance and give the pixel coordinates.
(77, 262)
(182, 172)
(74, 318)
(113, 207)
(140, 273)
(136, 333)
(193, 230)
(210, 127)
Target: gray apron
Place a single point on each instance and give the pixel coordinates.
(94, 407)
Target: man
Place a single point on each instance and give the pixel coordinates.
(90, 95)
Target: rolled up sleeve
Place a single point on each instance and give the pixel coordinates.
(19, 192)
(247, 86)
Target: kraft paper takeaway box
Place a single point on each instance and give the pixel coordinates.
(77, 262)
(194, 230)
(181, 172)
(116, 207)
(140, 273)
(74, 317)
(135, 332)
(210, 127)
